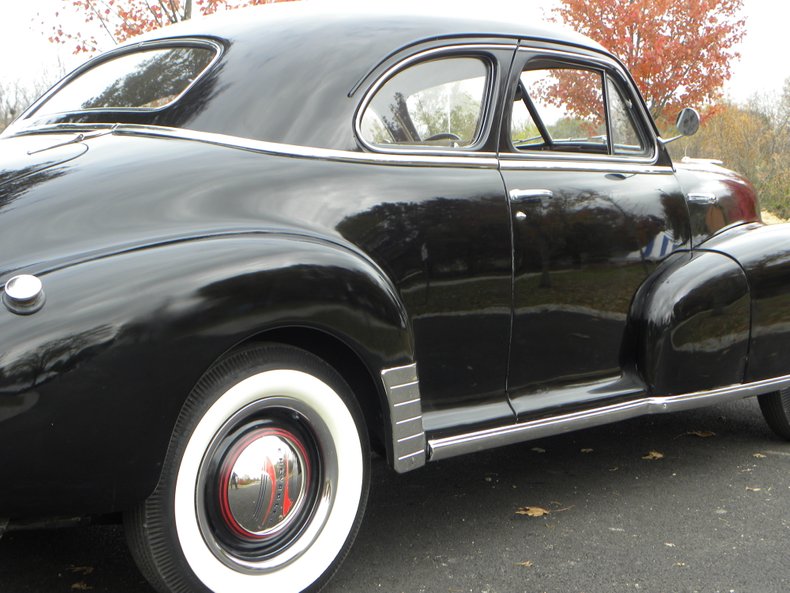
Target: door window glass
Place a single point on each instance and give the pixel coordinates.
(567, 103)
(435, 103)
(563, 109)
(625, 137)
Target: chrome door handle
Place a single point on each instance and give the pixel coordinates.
(531, 196)
(703, 198)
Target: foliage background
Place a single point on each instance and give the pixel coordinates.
(753, 139)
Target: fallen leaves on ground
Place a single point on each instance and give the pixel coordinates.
(525, 563)
(703, 434)
(653, 455)
(542, 512)
(533, 511)
(759, 456)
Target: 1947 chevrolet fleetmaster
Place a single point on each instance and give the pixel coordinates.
(241, 253)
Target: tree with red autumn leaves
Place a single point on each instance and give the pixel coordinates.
(679, 53)
(121, 19)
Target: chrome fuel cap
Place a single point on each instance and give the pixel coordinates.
(264, 480)
(23, 294)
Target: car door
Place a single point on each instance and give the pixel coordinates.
(595, 206)
(441, 223)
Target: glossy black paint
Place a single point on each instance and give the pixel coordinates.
(580, 258)
(99, 368)
(37, 155)
(407, 240)
(691, 324)
(764, 254)
(159, 254)
(735, 199)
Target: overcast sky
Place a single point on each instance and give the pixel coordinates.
(763, 67)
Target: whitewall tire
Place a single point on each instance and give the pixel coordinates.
(265, 482)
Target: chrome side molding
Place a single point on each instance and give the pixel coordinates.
(515, 433)
(405, 407)
(460, 158)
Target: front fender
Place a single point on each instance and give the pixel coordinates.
(764, 254)
(689, 325)
(91, 385)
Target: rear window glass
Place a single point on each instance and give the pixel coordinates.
(147, 79)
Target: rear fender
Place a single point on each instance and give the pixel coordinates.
(91, 385)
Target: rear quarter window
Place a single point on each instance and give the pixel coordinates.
(145, 79)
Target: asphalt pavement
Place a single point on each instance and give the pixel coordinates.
(689, 502)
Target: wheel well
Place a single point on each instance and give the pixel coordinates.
(345, 361)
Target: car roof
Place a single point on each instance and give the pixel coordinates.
(390, 25)
(292, 72)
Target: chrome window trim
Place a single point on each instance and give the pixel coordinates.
(602, 165)
(411, 60)
(143, 46)
(477, 160)
(444, 448)
(604, 63)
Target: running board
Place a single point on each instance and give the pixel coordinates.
(535, 429)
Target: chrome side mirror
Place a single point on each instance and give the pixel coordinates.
(687, 122)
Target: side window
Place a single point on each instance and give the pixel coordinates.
(146, 79)
(560, 109)
(564, 109)
(626, 140)
(434, 103)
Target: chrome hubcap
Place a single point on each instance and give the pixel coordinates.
(263, 487)
(262, 483)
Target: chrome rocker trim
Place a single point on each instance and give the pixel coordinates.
(515, 433)
(405, 407)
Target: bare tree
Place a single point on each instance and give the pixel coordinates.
(16, 96)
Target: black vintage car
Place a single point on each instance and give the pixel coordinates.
(240, 254)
